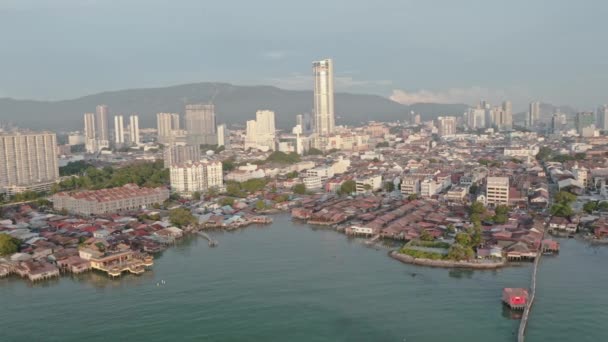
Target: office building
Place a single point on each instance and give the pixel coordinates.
(28, 161)
(324, 117)
(134, 130)
(497, 191)
(507, 119)
(533, 114)
(446, 125)
(166, 124)
(119, 130)
(584, 120)
(476, 118)
(261, 132)
(200, 124)
(190, 177)
(180, 153)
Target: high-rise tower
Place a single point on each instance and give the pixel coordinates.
(323, 111)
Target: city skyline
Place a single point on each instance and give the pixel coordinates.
(461, 69)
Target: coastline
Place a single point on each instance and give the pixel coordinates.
(446, 263)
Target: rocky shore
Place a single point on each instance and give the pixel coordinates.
(446, 263)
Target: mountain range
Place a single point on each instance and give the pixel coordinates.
(233, 105)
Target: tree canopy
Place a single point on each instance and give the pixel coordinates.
(283, 158)
(8, 245)
(348, 187)
(181, 217)
(299, 189)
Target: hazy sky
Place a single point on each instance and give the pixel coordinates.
(443, 51)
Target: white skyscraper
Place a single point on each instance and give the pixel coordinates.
(200, 124)
(260, 133)
(507, 120)
(90, 139)
(447, 125)
(28, 161)
(101, 123)
(221, 135)
(324, 117)
(119, 130)
(166, 123)
(134, 130)
(533, 113)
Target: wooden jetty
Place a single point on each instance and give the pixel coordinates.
(212, 242)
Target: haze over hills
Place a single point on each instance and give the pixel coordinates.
(234, 105)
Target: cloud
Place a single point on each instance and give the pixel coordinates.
(469, 95)
(298, 81)
(274, 55)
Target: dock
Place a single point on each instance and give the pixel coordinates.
(212, 242)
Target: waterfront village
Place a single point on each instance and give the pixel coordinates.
(479, 200)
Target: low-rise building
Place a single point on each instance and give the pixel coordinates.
(96, 202)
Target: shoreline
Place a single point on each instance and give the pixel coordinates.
(406, 259)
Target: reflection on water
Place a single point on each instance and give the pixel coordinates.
(511, 314)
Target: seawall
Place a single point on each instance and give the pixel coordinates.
(446, 263)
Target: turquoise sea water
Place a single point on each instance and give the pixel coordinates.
(289, 282)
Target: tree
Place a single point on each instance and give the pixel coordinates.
(181, 217)
(292, 175)
(590, 207)
(564, 197)
(544, 153)
(281, 198)
(426, 236)
(451, 229)
(314, 152)
(299, 189)
(475, 234)
(473, 189)
(228, 165)
(260, 205)
(501, 214)
(603, 206)
(196, 195)
(226, 201)
(389, 187)
(412, 197)
(561, 210)
(348, 187)
(477, 208)
(283, 158)
(8, 244)
(382, 144)
(463, 239)
(460, 252)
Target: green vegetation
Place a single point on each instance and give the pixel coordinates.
(145, 217)
(147, 174)
(412, 197)
(426, 236)
(299, 189)
(544, 153)
(228, 165)
(196, 195)
(348, 187)
(236, 189)
(429, 244)
(488, 162)
(262, 205)
(547, 154)
(460, 252)
(382, 144)
(292, 175)
(562, 204)
(281, 198)
(501, 214)
(283, 158)
(389, 187)
(422, 254)
(314, 152)
(226, 201)
(590, 207)
(8, 245)
(74, 168)
(181, 217)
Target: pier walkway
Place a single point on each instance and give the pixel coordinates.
(212, 242)
(521, 335)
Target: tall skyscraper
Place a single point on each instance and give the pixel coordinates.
(533, 113)
(447, 125)
(324, 117)
(119, 130)
(28, 161)
(221, 135)
(101, 122)
(89, 126)
(200, 124)
(166, 123)
(476, 118)
(134, 130)
(602, 117)
(507, 109)
(260, 132)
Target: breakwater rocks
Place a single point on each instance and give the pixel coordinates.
(482, 265)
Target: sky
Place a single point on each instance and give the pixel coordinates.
(445, 51)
